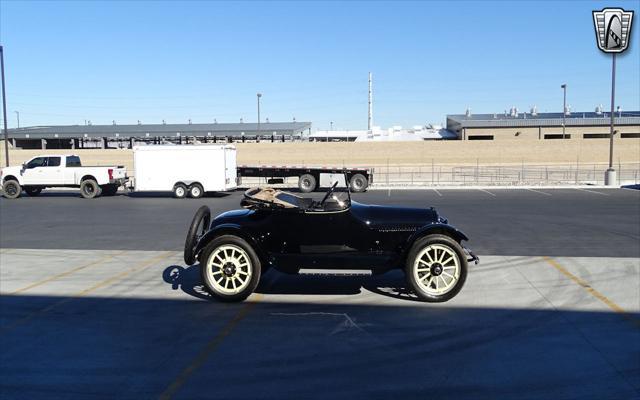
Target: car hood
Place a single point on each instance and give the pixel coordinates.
(392, 216)
(11, 171)
(231, 215)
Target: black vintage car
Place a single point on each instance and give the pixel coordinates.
(282, 230)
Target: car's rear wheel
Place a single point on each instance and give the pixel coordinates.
(11, 189)
(307, 183)
(90, 189)
(32, 191)
(436, 268)
(230, 268)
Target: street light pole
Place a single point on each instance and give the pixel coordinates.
(610, 175)
(18, 116)
(4, 109)
(564, 108)
(259, 95)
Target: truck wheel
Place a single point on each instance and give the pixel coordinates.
(436, 268)
(11, 189)
(32, 191)
(90, 189)
(196, 191)
(358, 183)
(230, 268)
(180, 191)
(109, 190)
(307, 183)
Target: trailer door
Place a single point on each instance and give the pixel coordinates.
(231, 168)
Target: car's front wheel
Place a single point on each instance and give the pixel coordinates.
(436, 268)
(230, 268)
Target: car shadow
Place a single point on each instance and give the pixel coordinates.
(391, 284)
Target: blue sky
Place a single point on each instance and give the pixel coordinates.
(67, 62)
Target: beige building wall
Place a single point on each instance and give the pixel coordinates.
(535, 133)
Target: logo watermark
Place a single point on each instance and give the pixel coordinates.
(613, 29)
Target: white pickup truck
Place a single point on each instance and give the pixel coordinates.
(48, 171)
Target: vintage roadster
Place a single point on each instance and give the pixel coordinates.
(282, 230)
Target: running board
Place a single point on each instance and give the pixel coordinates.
(335, 272)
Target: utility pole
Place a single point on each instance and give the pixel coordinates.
(4, 109)
(610, 175)
(259, 95)
(18, 116)
(564, 108)
(370, 114)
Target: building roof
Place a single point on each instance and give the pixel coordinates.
(458, 121)
(152, 130)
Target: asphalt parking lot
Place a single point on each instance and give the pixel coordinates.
(97, 303)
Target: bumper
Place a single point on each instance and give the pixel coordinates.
(471, 256)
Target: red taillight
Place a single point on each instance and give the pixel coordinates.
(110, 171)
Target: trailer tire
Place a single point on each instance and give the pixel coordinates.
(196, 191)
(358, 183)
(90, 189)
(307, 183)
(180, 191)
(11, 189)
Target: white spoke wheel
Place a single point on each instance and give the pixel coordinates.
(436, 268)
(230, 268)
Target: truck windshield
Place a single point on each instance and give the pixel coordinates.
(73, 161)
(37, 162)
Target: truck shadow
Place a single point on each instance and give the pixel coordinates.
(390, 284)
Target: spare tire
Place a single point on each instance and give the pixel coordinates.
(199, 226)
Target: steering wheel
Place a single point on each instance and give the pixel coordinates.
(326, 196)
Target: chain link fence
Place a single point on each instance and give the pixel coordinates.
(502, 175)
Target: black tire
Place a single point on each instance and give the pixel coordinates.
(358, 183)
(90, 189)
(180, 191)
(199, 226)
(32, 191)
(254, 266)
(11, 189)
(307, 183)
(109, 190)
(442, 241)
(196, 191)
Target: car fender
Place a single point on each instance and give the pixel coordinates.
(231, 229)
(430, 229)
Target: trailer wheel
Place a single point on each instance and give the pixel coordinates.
(196, 191)
(11, 189)
(358, 183)
(307, 183)
(90, 189)
(180, 191)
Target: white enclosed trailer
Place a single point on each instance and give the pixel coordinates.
(185, 170)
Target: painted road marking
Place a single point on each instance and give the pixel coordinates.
(69, 272)
(209, 349)
(439, 194)
(592, 191)
(85, 292)
(538, 191)
(486, 191)
(586, 286)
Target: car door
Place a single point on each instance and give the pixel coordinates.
(53, 174)
(33, 173)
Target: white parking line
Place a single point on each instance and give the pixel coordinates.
(592, 191)
(439, 194)
(486, 191)
(538, 191)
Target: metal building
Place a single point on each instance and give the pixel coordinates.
(125, 136)
(544, 126)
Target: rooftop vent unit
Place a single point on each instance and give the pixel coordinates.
(567, 110)
(599, 109)
(534, 111)
(619, 110)
(467, 112)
